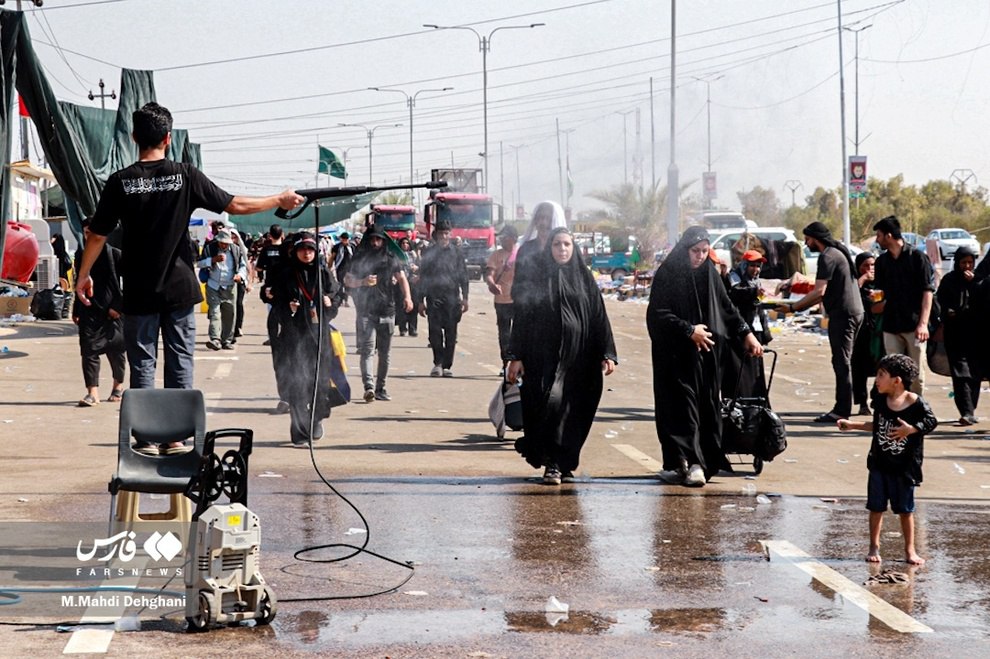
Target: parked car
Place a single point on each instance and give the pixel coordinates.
(915, 240)
(949, 240)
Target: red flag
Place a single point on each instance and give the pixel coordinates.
(23, 108)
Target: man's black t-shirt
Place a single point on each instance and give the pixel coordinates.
(842, 293)
(903, 281)
(153, 201)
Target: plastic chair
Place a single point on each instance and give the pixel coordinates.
(157, 416)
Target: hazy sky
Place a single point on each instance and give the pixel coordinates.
(259, 114)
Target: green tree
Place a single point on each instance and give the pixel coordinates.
(639, 212)
(761, 205)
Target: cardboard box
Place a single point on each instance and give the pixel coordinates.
(11, 306)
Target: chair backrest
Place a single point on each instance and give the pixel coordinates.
(159, 416)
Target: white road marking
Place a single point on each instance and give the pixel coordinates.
(215, 358)
(223, 370)
(97, 640)
(89, 641)
(864, 599)
(627, 336)
(639, 457)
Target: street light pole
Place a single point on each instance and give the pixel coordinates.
(484, 44)
(673, 184)
(518, 177)
(345, 151)
(102, 96)
(856, 59)
(371, 135)
(411, 102)
(846, 226)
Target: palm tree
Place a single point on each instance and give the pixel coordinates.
(640, 210)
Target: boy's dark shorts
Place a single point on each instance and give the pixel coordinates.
(895, 488)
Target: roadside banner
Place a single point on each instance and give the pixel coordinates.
(857, 177)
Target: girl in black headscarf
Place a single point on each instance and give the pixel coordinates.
(561, 344)
(691, 322)
(303, 297)
(958, 298)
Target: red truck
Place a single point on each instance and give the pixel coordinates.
(397, 221)
(470, 217)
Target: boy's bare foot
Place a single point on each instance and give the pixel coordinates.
(913, 559)
(874, 555)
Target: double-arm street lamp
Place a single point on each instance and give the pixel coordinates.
(411, 102)
(371, 135)
(484, 45)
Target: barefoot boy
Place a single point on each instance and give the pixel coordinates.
(901, 419)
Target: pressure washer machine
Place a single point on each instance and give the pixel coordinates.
(223, 581)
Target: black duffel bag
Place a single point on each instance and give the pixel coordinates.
(48, 304)
(753, 428)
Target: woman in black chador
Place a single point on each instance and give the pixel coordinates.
(561, 344)
(301, 301)
(691, 322)
(959, 296)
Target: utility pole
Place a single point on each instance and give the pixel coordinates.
(518, 177)
(673, 184)
(962, 176)
(653, 140)
(846, 228)
(567, 160)
(102, 96)
(501, 175)
(560, 166)
(625, 147)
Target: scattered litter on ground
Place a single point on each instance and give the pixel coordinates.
(828, 500)
(571, 523)
(353, 531)
(554, 605)
(888, 577)
(416, 593)
(269, 474)
(958, 469)
(22, 500)
(728, 506)
(762, 498)
(842, 461)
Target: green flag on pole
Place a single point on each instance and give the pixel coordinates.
(330, 165)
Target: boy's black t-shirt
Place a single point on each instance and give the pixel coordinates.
(153, 201)
(899, 456)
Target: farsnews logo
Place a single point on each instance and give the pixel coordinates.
(123, 547)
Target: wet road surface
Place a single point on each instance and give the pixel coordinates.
(644, 568)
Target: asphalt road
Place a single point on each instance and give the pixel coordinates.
(644, 567)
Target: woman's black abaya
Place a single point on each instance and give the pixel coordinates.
(561, 334)
(300, 355)
(687, 381)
